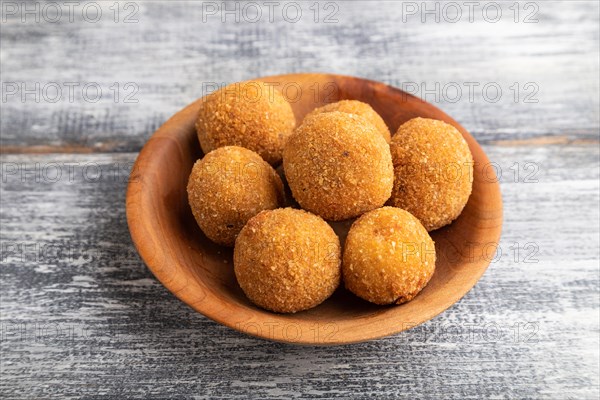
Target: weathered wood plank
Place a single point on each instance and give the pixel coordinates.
(82, 316)
(165, 59)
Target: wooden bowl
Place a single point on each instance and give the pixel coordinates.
(200, 273)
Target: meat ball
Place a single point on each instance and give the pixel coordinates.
(250, 114)
(433, 171)
(229, 186)
(338, 166)
(388, 257)
(287, 260)
(358, 108)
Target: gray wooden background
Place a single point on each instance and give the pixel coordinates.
(80, 314)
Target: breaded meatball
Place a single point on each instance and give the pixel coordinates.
(433, 171)
(229, 186)
(338, 166)
(358, 108)
(287, 260)
(249, 114)
(388, 257)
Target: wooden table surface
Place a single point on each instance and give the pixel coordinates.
(81, 315)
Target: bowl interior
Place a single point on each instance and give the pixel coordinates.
(200, 272)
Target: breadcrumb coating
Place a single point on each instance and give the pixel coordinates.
(287, 260)
(388, 257)
(433, 171)
(249, 114)
(229, 186)
(358, 108)
(338, 166)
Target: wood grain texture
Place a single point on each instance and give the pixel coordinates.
(123, 335)
(557, 57)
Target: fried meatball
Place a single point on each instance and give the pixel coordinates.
(229, 186)
(287, 260)
(358, 108)
(433, 171)
(388, 257)
(338, 166)
(250, 114)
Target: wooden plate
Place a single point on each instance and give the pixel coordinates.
(200, 273)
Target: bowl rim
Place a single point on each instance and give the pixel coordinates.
(138, 232)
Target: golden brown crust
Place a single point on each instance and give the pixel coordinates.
(433, 171)
(358, 108)
(249, 114)
(338, 166)
(388, 257)
(229, 186)
(287, 260)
